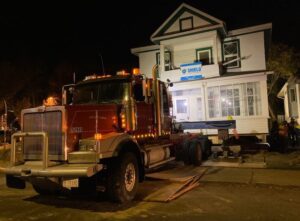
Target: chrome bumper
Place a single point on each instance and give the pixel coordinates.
(46, 168)
(61, 170)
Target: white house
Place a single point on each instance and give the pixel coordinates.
(290, 92)
(216, 73)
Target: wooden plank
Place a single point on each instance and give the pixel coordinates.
(178, 181)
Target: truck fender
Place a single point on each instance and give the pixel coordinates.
(129, 145)
(118, 143)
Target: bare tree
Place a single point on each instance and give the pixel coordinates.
(284, 61)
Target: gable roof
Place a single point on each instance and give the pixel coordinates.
(203, 22)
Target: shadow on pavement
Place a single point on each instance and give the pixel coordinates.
(81, 202)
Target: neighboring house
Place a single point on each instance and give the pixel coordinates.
(216, 73)
(290, 92)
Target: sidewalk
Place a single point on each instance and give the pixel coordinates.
(271, 160)
(253, 176)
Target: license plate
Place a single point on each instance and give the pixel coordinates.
(71, 183)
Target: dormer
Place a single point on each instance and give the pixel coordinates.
(187, 20)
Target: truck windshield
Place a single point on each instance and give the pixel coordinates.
(101, 92)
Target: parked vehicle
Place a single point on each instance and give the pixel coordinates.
(107, 136)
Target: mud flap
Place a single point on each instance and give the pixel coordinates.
(15, 182)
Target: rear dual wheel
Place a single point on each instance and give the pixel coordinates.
(192, 153)
(195, 153)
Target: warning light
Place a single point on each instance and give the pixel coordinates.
(136, 71)
(98, 136)
(50, 101)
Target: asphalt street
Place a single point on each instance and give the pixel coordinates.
(217, 198)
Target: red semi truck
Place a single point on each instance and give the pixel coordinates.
(106, 137)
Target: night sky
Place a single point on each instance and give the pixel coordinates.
(43, 38)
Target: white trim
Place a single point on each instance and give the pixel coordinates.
(177, 10)
(250, 29)
(226, 78)
(281, 92)
(138, 50)
(201, 50)
(193, 31)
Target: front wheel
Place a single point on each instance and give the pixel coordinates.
(123, 178)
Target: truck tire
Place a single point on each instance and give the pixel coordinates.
(123, 178)
(186, 152)
(195, 152)
(206, 146)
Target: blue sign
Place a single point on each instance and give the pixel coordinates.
(191, 71)
(188, 78)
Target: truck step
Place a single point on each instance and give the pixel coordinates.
(161, 162)
(151, 147)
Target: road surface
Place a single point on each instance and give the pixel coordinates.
(210, 201)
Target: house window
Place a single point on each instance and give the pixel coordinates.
(231, 52)
(186, 23)
(167, 60)
(252, 99)
(204, 55)
(213, 95)
(292, 95)
(230, 100)
(235, 100)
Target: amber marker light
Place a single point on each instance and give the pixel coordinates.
(114, 118)
(135, 71)
(50, 101)
(98, 136)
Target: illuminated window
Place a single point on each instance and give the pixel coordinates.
(230, 100)
(234, 100)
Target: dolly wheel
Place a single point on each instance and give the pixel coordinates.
(195, 152)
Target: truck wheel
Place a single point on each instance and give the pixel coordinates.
(185, 152)
(207, 149)
(195, 152)
(123, 178)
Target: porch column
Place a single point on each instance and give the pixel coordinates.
(298, 102)
(162, 59)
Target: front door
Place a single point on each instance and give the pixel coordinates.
(181, 109)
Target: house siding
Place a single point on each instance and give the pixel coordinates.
(252, 47)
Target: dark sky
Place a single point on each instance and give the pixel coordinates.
(77, 32)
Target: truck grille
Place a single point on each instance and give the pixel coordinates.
(50, 122)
